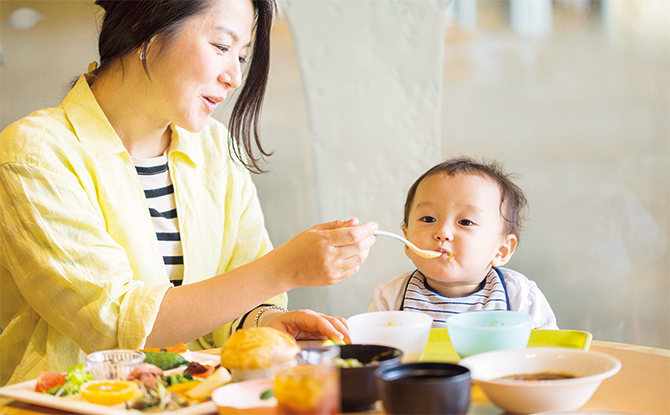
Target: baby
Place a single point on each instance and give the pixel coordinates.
(471, 212)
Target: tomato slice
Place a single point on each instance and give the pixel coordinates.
(47, 380)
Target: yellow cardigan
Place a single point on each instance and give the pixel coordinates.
(80, 267)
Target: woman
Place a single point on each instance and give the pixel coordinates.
(84, 264)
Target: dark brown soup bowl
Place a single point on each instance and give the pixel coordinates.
(359, 390)
(424, 388)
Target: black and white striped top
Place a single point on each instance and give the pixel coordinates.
(419, 296)
(159, 194)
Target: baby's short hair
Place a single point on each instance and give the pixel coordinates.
(512, 202)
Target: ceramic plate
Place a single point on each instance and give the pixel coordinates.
(25, 392)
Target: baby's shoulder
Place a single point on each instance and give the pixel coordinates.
(397, 282)
(516, 279)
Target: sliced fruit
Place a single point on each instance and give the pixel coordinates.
(47, 380)
(108, 392)
(220, 377)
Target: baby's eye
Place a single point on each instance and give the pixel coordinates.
(465, 222)
(427, 219)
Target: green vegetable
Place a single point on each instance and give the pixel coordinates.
(165, 360)
(175, 378)
(76, 376)
(267, 394)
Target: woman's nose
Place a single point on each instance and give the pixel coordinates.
(232, 74)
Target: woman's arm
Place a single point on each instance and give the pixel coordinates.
(323, 255)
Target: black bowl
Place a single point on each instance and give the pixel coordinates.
(424, 388)
(359, 390)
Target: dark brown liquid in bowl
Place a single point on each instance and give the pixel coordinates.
(538, 376)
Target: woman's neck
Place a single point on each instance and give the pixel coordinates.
(122, 95)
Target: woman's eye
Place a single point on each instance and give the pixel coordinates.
(243, 59)
(222, 48)
(465, 222)
(427, 219)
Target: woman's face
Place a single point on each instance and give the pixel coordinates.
(457, 215)
(201, 65)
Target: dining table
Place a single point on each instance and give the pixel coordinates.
(642, 386)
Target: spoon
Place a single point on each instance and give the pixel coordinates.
(421, 252)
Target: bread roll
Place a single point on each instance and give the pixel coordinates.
(258, 348)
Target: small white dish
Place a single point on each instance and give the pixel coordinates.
(404, 330)
(245, 398)
(526, 397)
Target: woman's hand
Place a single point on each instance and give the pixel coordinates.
(308, 325)
(324, 254)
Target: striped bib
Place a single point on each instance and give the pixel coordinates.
(419, 296)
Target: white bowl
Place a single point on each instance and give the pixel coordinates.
(404, 330)
(525, 397)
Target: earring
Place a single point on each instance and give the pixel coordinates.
(143, 55)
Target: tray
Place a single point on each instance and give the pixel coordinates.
(439, 348)
(25, 392)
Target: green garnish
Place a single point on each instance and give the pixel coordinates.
(267, 394)
(165, 360)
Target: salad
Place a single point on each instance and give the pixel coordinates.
(165, 381)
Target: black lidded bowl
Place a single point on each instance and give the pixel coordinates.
(424, 388)
(359, 388)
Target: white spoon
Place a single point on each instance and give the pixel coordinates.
(421, 252)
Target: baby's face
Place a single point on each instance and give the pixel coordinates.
(458, 215)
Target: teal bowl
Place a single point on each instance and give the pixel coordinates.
(484, 331)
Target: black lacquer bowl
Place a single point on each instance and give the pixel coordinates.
(424, 388)
(359, 389)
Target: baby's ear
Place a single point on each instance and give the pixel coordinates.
(505, 251)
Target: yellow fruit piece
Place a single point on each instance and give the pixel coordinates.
(183, 387)
(220, 377)
(107, 392)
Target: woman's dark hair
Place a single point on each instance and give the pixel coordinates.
(512, 201)
(129, 25)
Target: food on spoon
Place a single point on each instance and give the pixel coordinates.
(250, 353)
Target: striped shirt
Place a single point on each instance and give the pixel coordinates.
(159, 193)
(419, 296)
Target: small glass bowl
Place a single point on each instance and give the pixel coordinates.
(113, 364)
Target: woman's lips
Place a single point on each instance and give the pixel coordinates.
(212, 102)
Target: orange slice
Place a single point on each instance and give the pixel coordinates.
(107, 392)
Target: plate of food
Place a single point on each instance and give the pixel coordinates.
(166, 382)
